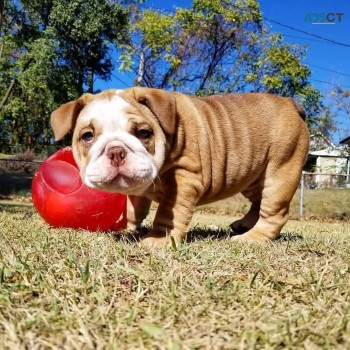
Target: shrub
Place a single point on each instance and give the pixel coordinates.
(21, 162)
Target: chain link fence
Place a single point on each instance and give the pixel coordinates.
(320, 182)
(319, 194)
(325, 180)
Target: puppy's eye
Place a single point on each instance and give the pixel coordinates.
(87, 137)
(144, 134)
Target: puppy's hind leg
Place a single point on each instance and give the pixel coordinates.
(280, 184)
(249, 220)
(253, 193)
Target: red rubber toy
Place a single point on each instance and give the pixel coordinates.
(63, 200)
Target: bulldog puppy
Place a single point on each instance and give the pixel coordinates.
(182, 151)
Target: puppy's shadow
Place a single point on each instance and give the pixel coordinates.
(201, 234)
(195, 234)
(131, 236)
(289, 237)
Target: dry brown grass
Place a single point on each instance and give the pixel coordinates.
(322, 203)
(63, 289)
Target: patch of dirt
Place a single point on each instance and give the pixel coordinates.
(218, 212)
(337, 217)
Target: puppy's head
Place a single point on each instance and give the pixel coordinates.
(120, 137)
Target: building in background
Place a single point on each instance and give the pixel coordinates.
(329, 167)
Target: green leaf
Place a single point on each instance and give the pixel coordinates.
(153, 330)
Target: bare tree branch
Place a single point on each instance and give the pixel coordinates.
(12, 84)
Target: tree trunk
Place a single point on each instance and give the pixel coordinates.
(8, 92)
(13, 81)
(2, 3)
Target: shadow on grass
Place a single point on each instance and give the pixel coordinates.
(219, 234)
(200, 234)
(289, 237)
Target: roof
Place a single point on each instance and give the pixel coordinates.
(346, 141)
(329, 152)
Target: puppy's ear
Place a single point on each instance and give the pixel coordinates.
(63, 119)
(161, 103)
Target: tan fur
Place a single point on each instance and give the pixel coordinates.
(218, 146)
(61, 125)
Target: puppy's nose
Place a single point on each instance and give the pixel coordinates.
(117, 155)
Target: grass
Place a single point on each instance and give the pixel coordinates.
(322, 203)
(65, 289)
(15, 190)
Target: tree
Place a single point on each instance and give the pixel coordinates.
(85, 31)
(191, 49)
(217, 46)
(341, 104)
(50, 52)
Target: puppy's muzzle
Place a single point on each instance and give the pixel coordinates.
(117, 155)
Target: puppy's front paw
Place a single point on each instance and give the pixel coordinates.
(130, 226)
(252, 236)
(155, 242)
(152, 241)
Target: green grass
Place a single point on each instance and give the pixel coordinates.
(65, 289)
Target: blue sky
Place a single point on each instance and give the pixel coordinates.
(329, 62)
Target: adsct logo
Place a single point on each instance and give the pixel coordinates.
(324, 18)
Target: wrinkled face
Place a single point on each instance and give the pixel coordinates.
(117, 146)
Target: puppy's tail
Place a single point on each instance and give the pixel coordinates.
(300, 109)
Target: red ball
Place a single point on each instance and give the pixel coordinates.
(63, 200)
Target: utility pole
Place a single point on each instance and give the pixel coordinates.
(302, 185)
(141, 68)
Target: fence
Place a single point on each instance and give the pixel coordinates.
(315, 181)
(43, 150)
(312, 199)
(325, 180)
(19, 165)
